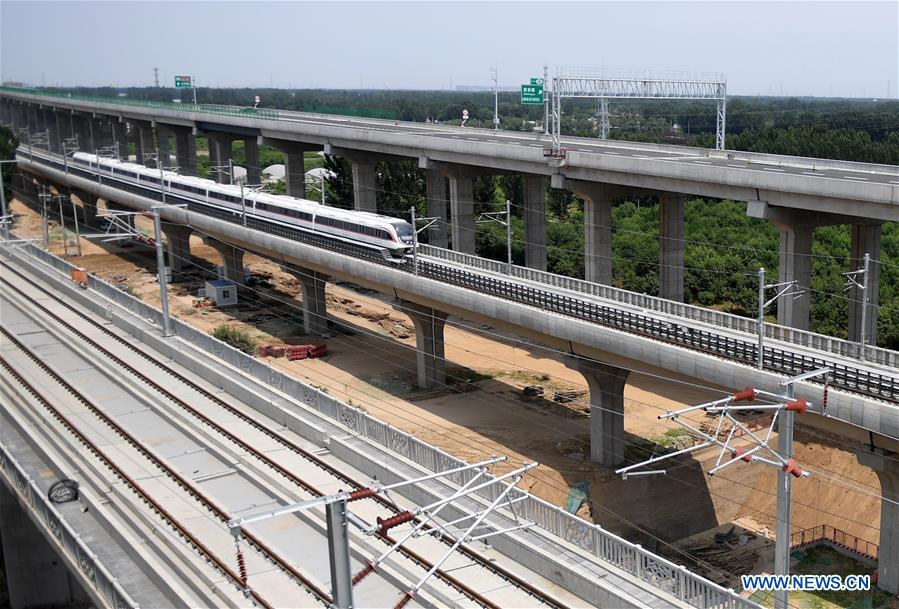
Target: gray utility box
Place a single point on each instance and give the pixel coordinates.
(221, 292)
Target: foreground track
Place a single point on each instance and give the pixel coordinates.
(247, 453)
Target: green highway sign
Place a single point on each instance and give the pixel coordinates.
(537, 81)
(532, 94)
(183, 82)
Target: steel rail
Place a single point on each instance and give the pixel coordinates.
(778, 360)
(191, 490)
(497, 570)
(145, 496)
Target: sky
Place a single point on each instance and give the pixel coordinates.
(818, 48)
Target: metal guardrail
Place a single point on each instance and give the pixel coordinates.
(631, 558)
(820, 342)
(743, 351)
(222, 110)
(828, 534)
(68, 541)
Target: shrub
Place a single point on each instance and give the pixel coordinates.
(237, 338)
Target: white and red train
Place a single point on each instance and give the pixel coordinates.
(373, 230)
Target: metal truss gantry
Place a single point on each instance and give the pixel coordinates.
(603, 85)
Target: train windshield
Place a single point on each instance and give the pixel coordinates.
(404, 231)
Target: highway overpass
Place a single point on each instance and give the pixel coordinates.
(796, 194)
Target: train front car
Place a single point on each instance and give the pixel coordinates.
(404, 233)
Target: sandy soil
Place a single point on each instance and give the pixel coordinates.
(371, 363)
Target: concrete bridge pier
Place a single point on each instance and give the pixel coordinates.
(163, 144)
(606, 384)
(461, 183)
(251, 161)
(429, 344)
(220, 156)
(52, 131)
(597, 199)
(120, 138)
(81, 131)
(143, 142)
(35, 575)
(178, 245)
(534, 221)
(185, 149)
(294, 164)
(865, 239)
(101, 128)
(886, 466)
(88, 207)
(437, 206)
(671, 246)
(315, 314)
(365, 193)
(232, 260)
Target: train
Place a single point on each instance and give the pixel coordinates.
(361, 228)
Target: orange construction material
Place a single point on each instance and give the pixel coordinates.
(740, 453)
(79, 276)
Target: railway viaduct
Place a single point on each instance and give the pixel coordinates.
(796, 194)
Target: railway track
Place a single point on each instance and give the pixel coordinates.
(221, 418)
(846, 377)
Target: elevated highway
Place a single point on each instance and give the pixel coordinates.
(796, 194)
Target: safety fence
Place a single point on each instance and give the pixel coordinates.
(219, 109)
(820, 342)
(68, 541)
(607, 547)
(824, 533)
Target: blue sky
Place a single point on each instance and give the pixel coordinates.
(790, 48)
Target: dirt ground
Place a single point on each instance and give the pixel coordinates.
(371, 363)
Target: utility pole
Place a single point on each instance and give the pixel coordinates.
(77, 230)
(788, 288)
(156, 77)
(495, 98)
(6, 218)
(160, 268)
(852, 281)
(494, 216)
(545, 100)
(45, 221)
(62, 226)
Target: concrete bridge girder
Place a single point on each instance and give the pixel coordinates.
(559, 332)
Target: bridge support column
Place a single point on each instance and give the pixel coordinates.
(295, 174)
(429, 344)
(120, 138)
(53, 131)
(437, 200)
(35, 575)
(462, 211)
(671, 246)
(365, 194)
(865, 240)
(886, 467)
(81, 131)
(88, 207)
(219, 156)
(606, 384)
(597, 199)
(535, 222)
(795, 265)
(178, 244)
(102, 130)
(163, 144)
(185, 150)
(315, 314)
(251, 156)
(232, 260)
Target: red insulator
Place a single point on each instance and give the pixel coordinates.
(747, 394)
(824, 397)
(361, 574)
(388, 523)
(799, 406)
(792, 468)
(241, 568)
(362, 493)
(740, 453)
(403, 601)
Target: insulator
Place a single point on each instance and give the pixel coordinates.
(747, 394)
(388, 523)
(792, 468)
(799, 406)
(739, 453)
(362, 493)
(242, 568)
